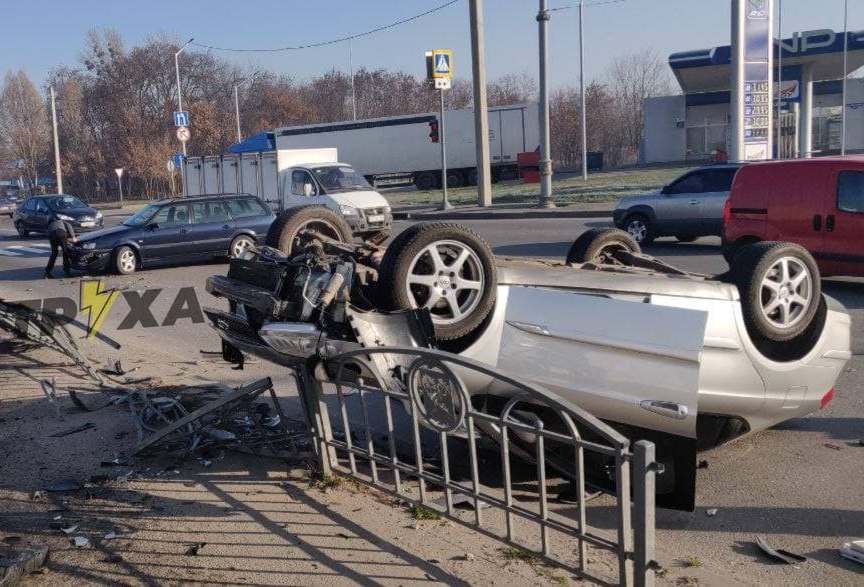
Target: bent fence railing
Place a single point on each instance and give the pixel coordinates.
(393, 417)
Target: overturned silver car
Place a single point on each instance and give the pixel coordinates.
(687, 361)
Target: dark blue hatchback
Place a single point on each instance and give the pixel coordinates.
(176, 231)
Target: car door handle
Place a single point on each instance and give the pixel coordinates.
(829, 223)
(663, 408)
(226, 226)
(528, 327)
(694, 202)
(817, 222)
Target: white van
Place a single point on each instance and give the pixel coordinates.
(288, 178)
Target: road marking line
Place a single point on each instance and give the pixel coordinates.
(9, 253)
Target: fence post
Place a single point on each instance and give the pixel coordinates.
(643, 515)
(312, 395)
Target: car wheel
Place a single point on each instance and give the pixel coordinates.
(125, 260)
(639, 227)
(598, 244)
(445, 268)
(240, 245)
(424, 181)
(454, 179)
(780, 289)
(22, 232)
(685, 239)
(287, 226)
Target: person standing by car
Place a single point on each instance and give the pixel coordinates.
(62, 235)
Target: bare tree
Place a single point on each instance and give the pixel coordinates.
(24, 122)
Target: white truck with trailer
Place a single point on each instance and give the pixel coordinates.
(404, 149)
(289, 178)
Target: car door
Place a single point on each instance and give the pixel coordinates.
(210, 230)
(27, 208)
(842, 245)
(717, 185)
(678, 209)
(300, 178)
(645, 374)
(162, 237)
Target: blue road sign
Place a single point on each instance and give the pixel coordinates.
(442, 63)
(181, 118)
(178, 160)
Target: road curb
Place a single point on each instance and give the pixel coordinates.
(499, 214)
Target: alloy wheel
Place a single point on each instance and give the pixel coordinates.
(786, 292)
(447, 278)
(127, 261)
(637, 229)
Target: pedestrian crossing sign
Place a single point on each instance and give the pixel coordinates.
(442, 64)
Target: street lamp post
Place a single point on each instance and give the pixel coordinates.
(545, 144)
(582, 92)
(237, 103)
(177, 71)
(57, 170)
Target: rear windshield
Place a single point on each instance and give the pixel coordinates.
(65, 203)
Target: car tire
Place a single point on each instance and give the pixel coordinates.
(731, 250)
(638, 226)
(780, 289)
(424, 181)
(420, 265)
(685, 238)
(284, 230)
(240, 245)
(594, 246)
(125, 260)
(455, 179)
(22, 232)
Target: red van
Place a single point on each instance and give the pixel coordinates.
(817, 203)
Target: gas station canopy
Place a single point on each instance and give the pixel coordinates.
(821, 51)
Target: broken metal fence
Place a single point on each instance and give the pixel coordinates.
(420, 400)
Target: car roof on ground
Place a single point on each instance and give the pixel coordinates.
(199, 198)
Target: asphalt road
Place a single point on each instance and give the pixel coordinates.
(799, 484)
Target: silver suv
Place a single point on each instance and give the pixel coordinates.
(689, 207)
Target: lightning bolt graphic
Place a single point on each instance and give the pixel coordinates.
(97, 301)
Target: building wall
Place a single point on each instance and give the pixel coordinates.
(667, 137)
(664, 136)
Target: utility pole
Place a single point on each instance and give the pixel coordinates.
(58, 172)
(179, 94)
(481, 116)
(582, 91)
(845, 73)
(779, 139)
(545, 144)
(351, 73)
(237, 113)
(442, 134)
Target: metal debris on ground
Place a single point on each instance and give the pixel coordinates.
(63, 485)
(194, 548)
(81, 542)
(75, 430)
(205, 420)
(711, 512)
(778, 554)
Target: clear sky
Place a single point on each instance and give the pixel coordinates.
(38, 35)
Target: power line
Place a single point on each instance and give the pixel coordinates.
(333, 41)
(586, 4)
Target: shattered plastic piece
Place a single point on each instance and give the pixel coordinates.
(711, 512)
(854, 551)
(70, 529)
(110, 536)
(37, 495)
(461, 500)
(112, 558)
(63, 485)
(81, 542)
(784, 556)
(194, 548)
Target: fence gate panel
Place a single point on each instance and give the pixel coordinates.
(403, 421)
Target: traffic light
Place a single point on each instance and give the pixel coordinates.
(433, 131)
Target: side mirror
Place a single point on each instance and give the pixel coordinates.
(307, 190)
(665, 190)
(152, 226)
